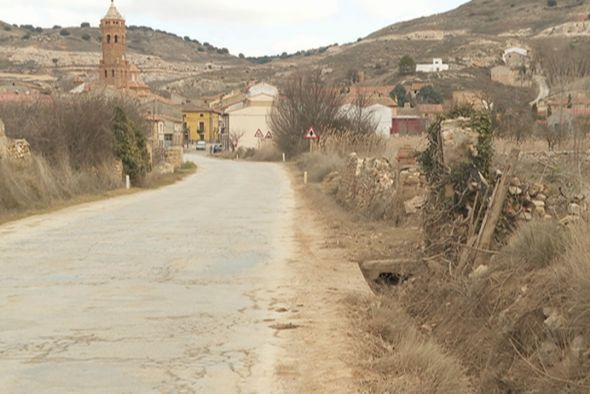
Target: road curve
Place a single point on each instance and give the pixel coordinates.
(161, 291)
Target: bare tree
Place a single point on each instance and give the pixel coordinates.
(234, 139)
(306, 101)
(361, 118)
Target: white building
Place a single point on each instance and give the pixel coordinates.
(515, 56)
(251, 115)
(382, 116)
(436, 66)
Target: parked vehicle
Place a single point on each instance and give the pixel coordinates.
(217, 148)
(201, 145)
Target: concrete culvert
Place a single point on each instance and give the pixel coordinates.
(380, 274)
(391, 279)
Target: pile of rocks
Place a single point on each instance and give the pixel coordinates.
(576, 209)
(19, 150)
(13, 149)
(175, 156)
(527, 201)
(366, 184)
(459, 142)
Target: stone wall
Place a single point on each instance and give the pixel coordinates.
(377, 188)
(367, 185)
(13, 149)
(174, 156)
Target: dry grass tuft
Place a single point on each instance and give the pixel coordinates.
(35, 184)
(319, 165)
(575, 275)
(537, 244)
(408, 361)
(370, 145)
(268, 152)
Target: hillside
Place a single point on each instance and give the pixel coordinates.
(471, 39)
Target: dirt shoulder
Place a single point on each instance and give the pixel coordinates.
(322, 351)
(350, 339)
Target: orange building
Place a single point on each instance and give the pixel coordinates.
(115, 69)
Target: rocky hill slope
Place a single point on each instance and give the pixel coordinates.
(470, 38)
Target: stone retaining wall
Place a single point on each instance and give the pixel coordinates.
(174, 156)
(13, 149)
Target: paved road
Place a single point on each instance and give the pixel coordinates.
(163, 291)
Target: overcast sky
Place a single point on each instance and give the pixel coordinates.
(253, 27)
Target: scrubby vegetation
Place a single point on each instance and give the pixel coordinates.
(74, 143)
(308, 101)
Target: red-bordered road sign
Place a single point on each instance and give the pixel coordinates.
(259, 134)
(311, 135)
(268, 136)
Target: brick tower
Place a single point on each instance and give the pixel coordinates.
(114, 67)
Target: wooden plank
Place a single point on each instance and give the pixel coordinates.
(488, 229)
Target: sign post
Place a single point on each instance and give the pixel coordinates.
(260, 136)
(311, 136)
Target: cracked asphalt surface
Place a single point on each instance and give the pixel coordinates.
(162, 291)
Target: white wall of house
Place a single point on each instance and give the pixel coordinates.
(251, 117)
(383, 116)
(436, 66)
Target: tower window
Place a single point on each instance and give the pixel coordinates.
(116, 39)
(113, 73)
(108, 38)
(106, 74)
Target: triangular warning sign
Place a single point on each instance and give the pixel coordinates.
(259, 134)
(311, 135)
(268, 136)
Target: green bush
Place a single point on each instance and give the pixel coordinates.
(130, 147)
(64, 33)
(407, 65)
(86, 37)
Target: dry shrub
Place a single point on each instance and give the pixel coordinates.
(35, 184)
(575, 273)
(319, 165)
(268, 152)
(372, 145)
(408, 361)
(536, 244)
(76, 130)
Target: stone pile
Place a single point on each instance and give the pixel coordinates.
(175, 156)
(527, 201)
(19, 150)
(576, 210)
(13, 149)
(366, 184)
(459, 142)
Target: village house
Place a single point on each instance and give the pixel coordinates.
(407, 121)
(376, 103)
(436, 66)
(167, 131)
(379, 111)
(203, 124)
(115, 70)
(515, 57)
(251, 115)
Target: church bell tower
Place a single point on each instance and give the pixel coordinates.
(114, 67)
